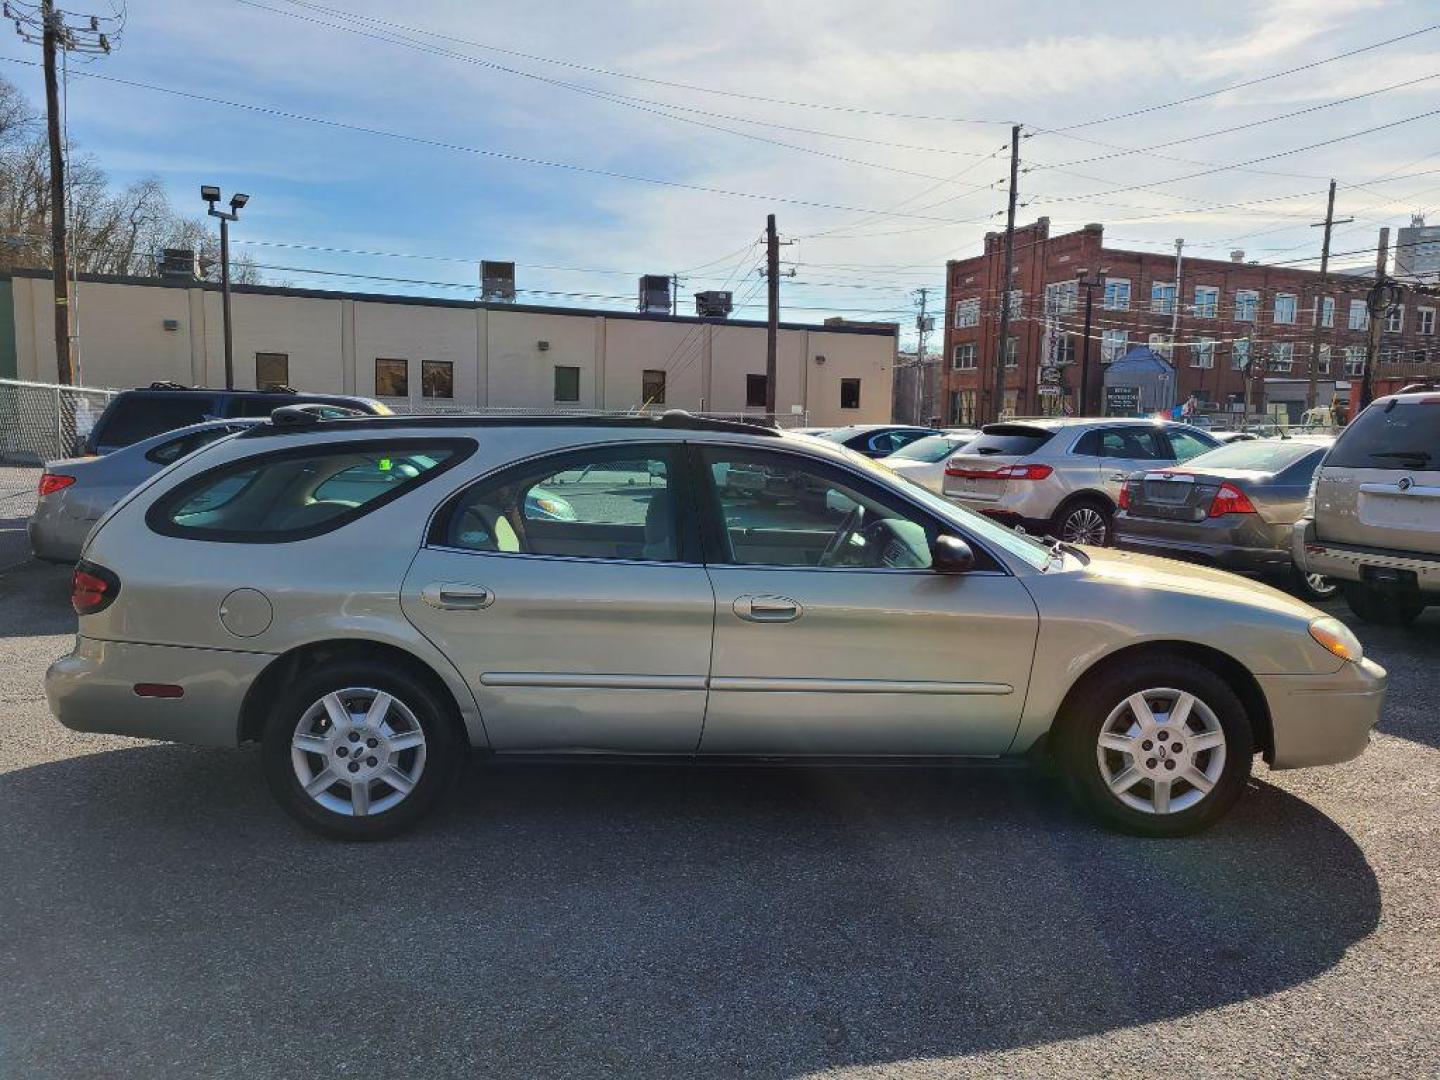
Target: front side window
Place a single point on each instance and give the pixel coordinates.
(614, 502)
(299, 493)
(809, 516)
(392, 378)
(272, 369)
(967, 313)
(1284, 307)
(1247, 303)
(437, 379)
(567, 383)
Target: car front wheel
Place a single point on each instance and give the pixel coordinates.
(356, 751)
(1158, 748)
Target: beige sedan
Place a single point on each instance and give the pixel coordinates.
(370, 599)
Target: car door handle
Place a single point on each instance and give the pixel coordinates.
(768, 609)
(454, 596)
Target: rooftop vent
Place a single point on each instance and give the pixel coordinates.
(497, 281)
(179, 264)
(655, 294)
(1238, 255)
(714, 304)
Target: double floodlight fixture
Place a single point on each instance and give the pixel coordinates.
(211, 195)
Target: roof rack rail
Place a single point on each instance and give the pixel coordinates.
(290, 418)
(165, 384)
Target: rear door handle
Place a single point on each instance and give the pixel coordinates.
(457, 596)
(768, 609)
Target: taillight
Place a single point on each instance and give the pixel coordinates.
(92, 588)
(53, 482)
(1230, 500)
(1124, 501)
(1005, 472)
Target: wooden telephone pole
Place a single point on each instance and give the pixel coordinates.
(1328, 224)
(998, 404)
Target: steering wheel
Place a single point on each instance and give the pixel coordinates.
(887, 546)
(842, 536)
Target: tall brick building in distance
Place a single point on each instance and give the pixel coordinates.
(1220, 316)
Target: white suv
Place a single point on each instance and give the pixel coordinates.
(1064, 476)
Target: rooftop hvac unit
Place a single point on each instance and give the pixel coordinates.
(655, 294)
(497, 281)
(179, 263)
(714, 304)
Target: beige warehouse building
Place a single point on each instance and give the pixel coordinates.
(435, 354)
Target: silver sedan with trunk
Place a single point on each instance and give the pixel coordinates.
(369, 599)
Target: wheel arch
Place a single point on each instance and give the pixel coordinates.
(254, 707)
(1086, 495)
(1245, 685)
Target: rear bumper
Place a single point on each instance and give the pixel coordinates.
(1345, 562)
(1323, 719)
(1252, 560)
(93, 689)
(58, 537)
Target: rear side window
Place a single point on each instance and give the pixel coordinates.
(301, 492)
(1009, 440)
(1398, 435)
(136, 417)
(175, 449)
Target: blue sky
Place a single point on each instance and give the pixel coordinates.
(437, 211)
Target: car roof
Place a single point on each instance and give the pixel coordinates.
(291, 420)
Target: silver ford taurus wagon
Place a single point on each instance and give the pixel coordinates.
(370, 598)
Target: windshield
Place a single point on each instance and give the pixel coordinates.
(1256, 455)
(932, 448)
(1021, 546)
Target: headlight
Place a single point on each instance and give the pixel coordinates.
(1336, 637)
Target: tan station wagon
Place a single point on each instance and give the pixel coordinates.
(369, 599)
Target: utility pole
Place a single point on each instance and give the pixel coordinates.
(1089, 284)
(1328, 224)
(1377, 314)
(998, 404)
(47, 27)
(772, 328)
(674, 295)
(922, 328)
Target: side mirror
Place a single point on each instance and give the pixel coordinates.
(951, 555)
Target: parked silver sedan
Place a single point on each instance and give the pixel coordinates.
(369, 599)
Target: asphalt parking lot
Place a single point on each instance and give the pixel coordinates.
(160, 916)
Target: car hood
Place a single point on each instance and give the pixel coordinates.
(1152, 573)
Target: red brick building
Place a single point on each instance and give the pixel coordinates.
(1209, 325)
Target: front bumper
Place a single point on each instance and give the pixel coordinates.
(1323, 719)
(1345, 562)
(93, 689)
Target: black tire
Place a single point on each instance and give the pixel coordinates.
(1078, 734)
(1301, 586)
(1079, 515)
(443, 749)
(1382, 608)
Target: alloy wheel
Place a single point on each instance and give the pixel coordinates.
(358, 751)
(1321, 586)
(1084, 525)
(1161, 751)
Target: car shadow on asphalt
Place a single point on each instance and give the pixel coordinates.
(569, 920)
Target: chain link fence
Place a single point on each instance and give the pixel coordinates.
(41, 421)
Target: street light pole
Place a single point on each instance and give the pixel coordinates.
(211, 195)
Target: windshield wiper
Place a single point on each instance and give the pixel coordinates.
(1412, 455)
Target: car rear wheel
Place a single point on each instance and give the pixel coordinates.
(1085, 521)
(1313, 586)
(357, 752)
(1385, 609)
(1158, 748)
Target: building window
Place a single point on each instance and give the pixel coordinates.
(1117, 294)
(271, 369)
(1113, 345)
(1017, 302)
(437, 379)
(1064, 350)
(1324, 368)
(755, 392)
(1390, 354)
(567, 383)
(967, 313)
(1162, 297)
(652, 386)
(849, 393)
(1359, 316)
(1425, 320)
(1012, 351)
(1395, 319)
(1240, 354)
(964, 358)
(1060, 297)
(1247, 305)
(963, 412)
(1203, 354)
(1326, 305)
(392, 378)
(1354, 361)
(1282, 355)
(1284, 307)
(1163, 344)
(1207, 301)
